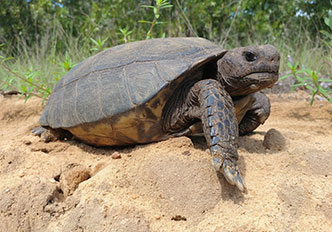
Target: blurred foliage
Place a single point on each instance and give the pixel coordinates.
(328, 33)
(46, 38)
(310, 79)
(27, 22)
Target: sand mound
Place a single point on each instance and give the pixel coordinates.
(170, 185)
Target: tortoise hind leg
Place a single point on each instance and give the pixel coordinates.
(38, 131)
(258, 110)
(193, 130)
(50, 135)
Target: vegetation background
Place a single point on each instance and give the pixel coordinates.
(42, 39)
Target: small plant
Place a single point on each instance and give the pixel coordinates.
(67, 63)
(309, 79)
(160, 4)
(328, 22)
(125, 34)
(98, 44)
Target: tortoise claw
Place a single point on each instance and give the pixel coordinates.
(38, 131)
(233, 175)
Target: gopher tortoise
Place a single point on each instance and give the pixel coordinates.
(151, 90)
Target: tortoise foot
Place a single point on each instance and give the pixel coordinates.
(46, 135)
(38, 131)
(232, 175)
(256, 115)
(51, 135)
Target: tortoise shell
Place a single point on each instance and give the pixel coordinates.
(116, 97)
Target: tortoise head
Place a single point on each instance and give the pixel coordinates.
(247, 70)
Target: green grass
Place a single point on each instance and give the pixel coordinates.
(44, 68)
(41, 66)
(36, 69)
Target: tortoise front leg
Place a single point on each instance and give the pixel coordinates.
(220, 129)
(208, 104)
(258, 110)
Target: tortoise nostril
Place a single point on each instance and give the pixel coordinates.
(275, 59)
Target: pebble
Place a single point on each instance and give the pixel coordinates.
(186, 153)
(116, 155)
(71, 176)
(134, 196)
(179, 218)
(274, 140)
(27, 142)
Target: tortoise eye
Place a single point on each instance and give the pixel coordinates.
(250, 57)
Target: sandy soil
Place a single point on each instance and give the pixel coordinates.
(170, 185)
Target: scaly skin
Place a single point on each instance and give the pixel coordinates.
(220, 128)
